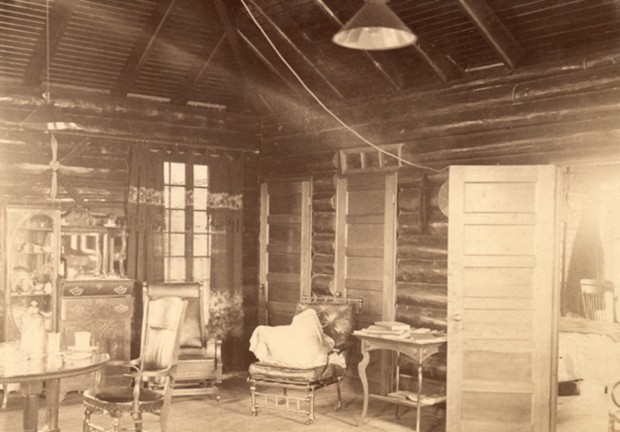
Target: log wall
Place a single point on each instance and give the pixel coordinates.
(563, 113)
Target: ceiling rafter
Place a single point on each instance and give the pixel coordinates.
(494, 30)
(444, 67)
(195, 72)
(299, 45)
(379, 65)
(59, 17)
(268, 63)
(233, 39)
(143, 46)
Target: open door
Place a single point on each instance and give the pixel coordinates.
(285, 248)
(503, 299)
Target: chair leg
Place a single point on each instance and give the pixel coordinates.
(86, 421)
(311, 406)
(116, 423)
(5, 395)
(253, 408)
(339, 403)
(137, 421)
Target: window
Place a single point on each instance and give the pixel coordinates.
(187, 246)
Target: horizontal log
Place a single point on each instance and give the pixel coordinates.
(426, 240)
(410, 177)
(437, 224)
(323, 244)
(435, 319)
(323, 183)
(322, 285)
(422, 295)
(77, 102)
(323, 202)
(421, 248)
(410, 222)
(446, 101)
(434, 368)
(323, 264)
(410, 199)
(424, 271)
(324, 223)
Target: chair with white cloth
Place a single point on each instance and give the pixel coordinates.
(306, 355)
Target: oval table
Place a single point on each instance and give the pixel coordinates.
(31, 373)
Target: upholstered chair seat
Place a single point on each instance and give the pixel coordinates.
(280, 347)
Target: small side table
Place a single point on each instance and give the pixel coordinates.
(418, 350)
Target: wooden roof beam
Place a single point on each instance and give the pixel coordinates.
(235, 44)
(143, 46)
(299, 46)
(494, 31)
(267, 63)
(195, 73)
(445, 68)
(58, 20)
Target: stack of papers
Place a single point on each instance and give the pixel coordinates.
(389, 329)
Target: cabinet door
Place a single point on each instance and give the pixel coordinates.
(284, 248)
(502, 299)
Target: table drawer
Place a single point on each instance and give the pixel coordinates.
(79, 288)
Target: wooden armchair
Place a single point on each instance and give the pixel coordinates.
(338, 319)
(152, 375)
(200, 363)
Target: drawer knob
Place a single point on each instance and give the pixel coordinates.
(120, 290)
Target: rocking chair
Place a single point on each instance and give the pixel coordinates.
(152, 374)
(338, 319)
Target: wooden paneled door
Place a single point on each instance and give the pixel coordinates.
(503, 299)
(365, 253)
(285, 248)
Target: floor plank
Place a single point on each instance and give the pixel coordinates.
(200, 413)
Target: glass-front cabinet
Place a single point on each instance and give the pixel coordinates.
(32, 257)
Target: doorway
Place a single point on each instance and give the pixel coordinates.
(589, 339)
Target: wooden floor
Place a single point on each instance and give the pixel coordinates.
(584, 413)
(200, 414)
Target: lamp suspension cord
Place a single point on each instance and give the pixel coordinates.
(329, 111)
(47, 51)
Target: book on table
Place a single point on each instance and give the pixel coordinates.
(393, 325)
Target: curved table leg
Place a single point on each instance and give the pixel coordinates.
(361, 369)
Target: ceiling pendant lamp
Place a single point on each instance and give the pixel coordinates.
(375, 27)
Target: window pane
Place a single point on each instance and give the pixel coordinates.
(177, 173)
(200, 222)
(178, 221)
(175, 269)
(166, 172)
(201, 243)
(201, 177)
(177, 198)
(167, 196)
(177, 244)
(200, 198)
(201, 269)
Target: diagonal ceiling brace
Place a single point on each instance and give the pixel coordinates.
(494, 30)
(196, 71)
(143, 46)
(303, 46)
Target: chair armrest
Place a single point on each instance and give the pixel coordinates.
(134, 363)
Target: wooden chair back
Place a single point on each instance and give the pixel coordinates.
(597, 297)
(161, 330)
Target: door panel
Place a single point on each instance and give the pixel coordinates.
(284, 249)
(365, 254)
(502, 299)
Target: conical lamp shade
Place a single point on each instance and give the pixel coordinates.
(374, 27)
